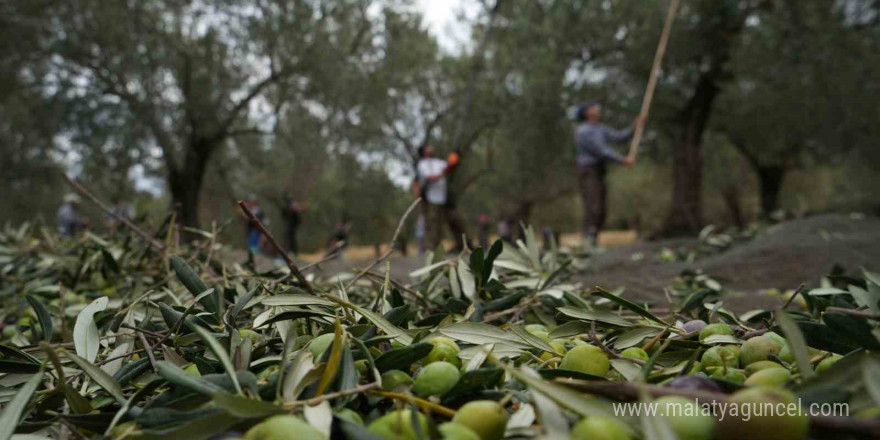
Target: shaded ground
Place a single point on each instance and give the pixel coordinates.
(800, 251)
(792, 253)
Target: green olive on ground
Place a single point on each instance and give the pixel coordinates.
(362, 366)
(283, 427)
(769, 377)
(770, 425)
(695, 368)
(760, 365)
(457, 431)
(759, 348)
(444, 353)
(320, 344)
(394, 380)
(728, 374)
(485, 417)
(688, 420)
(635, 353)
(436, 379)
(350, 415)
(715, 329)
(599, 428)
(443, 340)
(776, 338)
(586, 359)
(719, 356)
(543, 335)
(828, 362)
(398, 425)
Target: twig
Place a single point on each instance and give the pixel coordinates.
(342, 393)
(607, 350)
(149, 350)
(82, 190)
(853, 312)
(422, 403)
(752, 334)
(138, 329)
(287, 260)
(123, 355)
(390, 245)
(418, 295)
(796, 293)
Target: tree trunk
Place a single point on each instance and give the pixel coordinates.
(185, 184)
(770, 179)
(686, 215)
(523, 213)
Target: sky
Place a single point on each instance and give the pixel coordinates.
(442, 18)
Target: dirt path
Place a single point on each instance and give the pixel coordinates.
(795, 252)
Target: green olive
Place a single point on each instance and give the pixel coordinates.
(635, 353)
(283, 427)
(586, 359)
(770, 425)
(760, 365)
(769, 377)
(688, 420)
(320, 344)
(436, 379)
(395, 380)
(398, 425)
(599, 428)
(719, 356)
(759, 348)
(457, 431)
(485, 417)
(715, 329)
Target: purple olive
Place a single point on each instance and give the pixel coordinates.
(694, 326)
(697, 382)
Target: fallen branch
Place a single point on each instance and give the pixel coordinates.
(82, 190)
(287, 260)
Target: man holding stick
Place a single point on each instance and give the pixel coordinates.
(431, 175)
(592, 139)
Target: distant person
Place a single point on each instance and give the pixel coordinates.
(420, 234)
(69, 220)
(483, 230)
(339, 241)
(549, 236)
(252, 231)
(431, 175)
(293, 215)
(119, 209)
(593, 153)
(505, 230)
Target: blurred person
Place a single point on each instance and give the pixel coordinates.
(119, 209)
(505, 231)
(431, 174)
(483, 230)
(339, 240)
(69, 220)
(253, 234)
(593, 153)
(293, 215)
(420, 234)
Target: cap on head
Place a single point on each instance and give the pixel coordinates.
(71, 198)
(581, 113)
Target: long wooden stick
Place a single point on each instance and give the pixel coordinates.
(652, 80)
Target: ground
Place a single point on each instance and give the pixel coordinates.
(789, 254)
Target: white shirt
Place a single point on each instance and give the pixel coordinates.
(435, 192)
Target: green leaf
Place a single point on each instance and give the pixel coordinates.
(333, 361)
(245, 408)
(403, 357)
(871, 376)
(626, 368)
(654, 426)
(188, 276)
(109, 260)
(578, 403)
(220, 353)
(295, 300)
(198, 429)
(595, 315)
(390, 329)
(43, 316)
(533, 340)
(100, 377)
(633, 337)
(175, 375)
(11, 366)
(85, 331)
(570, 328)
(825, 338)
(12, 412)
(629, 305)
(479, 334)
(468, 282)
(855, 330)
(796, 343)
